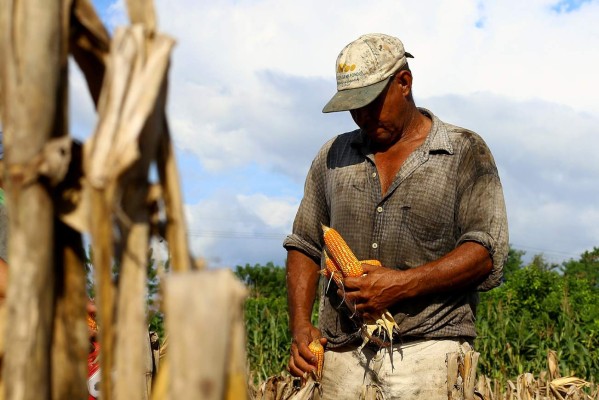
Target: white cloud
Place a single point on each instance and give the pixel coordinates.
(242, 70)
(274, 213)
(230, 229)
(250, 77)
(544, 136)
(115, 14)
(524, 50)
(546, 154)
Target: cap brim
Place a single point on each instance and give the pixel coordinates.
(351, 99)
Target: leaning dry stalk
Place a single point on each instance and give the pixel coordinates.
(318, 351)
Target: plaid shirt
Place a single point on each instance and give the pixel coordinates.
(446, 193)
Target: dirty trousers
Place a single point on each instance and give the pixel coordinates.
(416, 371)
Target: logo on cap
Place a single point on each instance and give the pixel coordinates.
(345, 68)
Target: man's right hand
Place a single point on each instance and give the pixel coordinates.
(302, 361)
(302, 279)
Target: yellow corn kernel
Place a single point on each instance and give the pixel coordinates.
(376, 263)
(91, 323)
(341, 253)
(318, 351)
(332, 270)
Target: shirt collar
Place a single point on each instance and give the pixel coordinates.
(436, 141)
(438, 138)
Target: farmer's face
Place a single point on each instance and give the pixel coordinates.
(383, 120)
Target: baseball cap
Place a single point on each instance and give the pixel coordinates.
(364, 68)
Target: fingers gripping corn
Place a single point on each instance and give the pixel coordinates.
(339, 255)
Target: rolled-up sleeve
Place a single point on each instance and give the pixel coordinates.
(482, 216)
(313, 211)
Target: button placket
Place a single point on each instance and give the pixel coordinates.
(377, 232)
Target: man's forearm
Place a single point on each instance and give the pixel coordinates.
(302, 279)
(463, 268)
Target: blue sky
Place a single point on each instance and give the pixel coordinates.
(249, 79)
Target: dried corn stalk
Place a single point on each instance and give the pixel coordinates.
(285, 387)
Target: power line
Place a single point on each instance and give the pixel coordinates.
(543, 251)
(238, 235)
(227, 234)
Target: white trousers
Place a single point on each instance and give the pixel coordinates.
(417, 370)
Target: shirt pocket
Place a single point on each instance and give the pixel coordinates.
(426, 233)
(348, 195)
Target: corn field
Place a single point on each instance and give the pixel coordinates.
(60, 191)
(533, 342)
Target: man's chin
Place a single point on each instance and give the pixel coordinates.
(379, 135)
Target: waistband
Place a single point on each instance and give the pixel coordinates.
(399, 341)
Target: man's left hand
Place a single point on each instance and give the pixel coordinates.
(373, 292)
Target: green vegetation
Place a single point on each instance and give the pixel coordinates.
(539, 307)
(267, 319)
(155, 314)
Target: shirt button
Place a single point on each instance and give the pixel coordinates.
(374, 245)
(379, 209)
(374, 174)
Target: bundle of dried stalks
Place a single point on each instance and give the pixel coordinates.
(286, 387)
(46, 295)
(98, 189)
(547, 386)
(461, 384)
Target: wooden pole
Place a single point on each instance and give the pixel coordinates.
(118, 156)
(101, 233)
(30, 33)
(143, 12)
(71, 341)
(90, 44)
(131, 308)
(131, 348)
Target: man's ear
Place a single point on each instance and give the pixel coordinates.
(404, 79)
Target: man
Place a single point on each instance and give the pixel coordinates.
(421, 196)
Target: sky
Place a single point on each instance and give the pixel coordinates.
(249, 78)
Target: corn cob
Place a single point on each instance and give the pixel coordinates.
(331, 270)
(341, 253)
(318, 351)
(343, 258)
